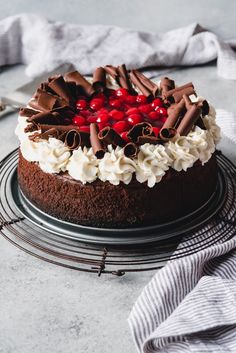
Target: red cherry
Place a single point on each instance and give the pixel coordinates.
(101, 125)
(117, 114)
(134, 119)
(121, 126)
(162, 111)
(96, 103)
(124, 136)
(122, 92)
(85, 113)
(132, 111)
(81, 104)
(130, 99)
(92, 119)
(102, 118)
(79, 120)
(156, 130)
(116, 103)
(111, 92)
(146, 108)
(84, 128)
(141, 99)
(100, 96)
(156, 103)
(154, 115)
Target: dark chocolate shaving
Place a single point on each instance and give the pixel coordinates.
(175, 112)
(96, 144)
(189, 119)
(111, 70)
(59, 86)
(130, 150)
(52, 118)
(150, 85)
(44, 101)
(75, 139)
(80, 81)
(31, 128)
(27, 112)
(136, 81)
(61, 128)
(110, 137)
(166, 85)
(142, 129)
(148, 139)
(167, 133)
(50, 133)
(123, 78)
(200, 123)
(205, 108)
(99, 79)
(176, 94)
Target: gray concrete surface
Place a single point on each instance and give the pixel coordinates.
(44, 308)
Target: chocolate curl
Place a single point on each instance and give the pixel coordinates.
(99, 79)
(136, 81)
(75, 138)
(28, 112)
(53, 132)
(200, 123)
(151, 86)
(59, 86)
(148, 139)
(167, 133)
(187, 101)
(174, 113)
(31, 128)
(189, 119)
(176, 94)
(110, 137)
(80, 81)
(123, 78)
(52, 118)
(112, 71)
(166, 85)
(130, 150)
(96, 144)
(61, 128)
(142, 129)
(44, 101)
(205, 108)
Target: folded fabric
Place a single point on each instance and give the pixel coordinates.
(43, 45)
(190, 304)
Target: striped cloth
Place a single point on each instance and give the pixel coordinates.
(190, 304)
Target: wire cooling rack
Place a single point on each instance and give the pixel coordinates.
(108, 259)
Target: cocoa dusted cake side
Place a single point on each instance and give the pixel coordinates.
(102, 204)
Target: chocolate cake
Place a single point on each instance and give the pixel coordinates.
(118, 150)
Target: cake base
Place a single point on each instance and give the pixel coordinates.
(102, 204)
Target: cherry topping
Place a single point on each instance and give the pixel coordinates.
(97, 103)
(146, 108)
(132, 111)
(122, 92)
(156, 130)
(162, 111)
(116, 103)
(154, 115)
(102, 118)
(79, 120)
(157, 103)
(121, 126)
(91, 119)
(141, 99)
(130, 99)
(81, 104)
(124, 136)
(84, 128)
(134, 119)
(117, 114)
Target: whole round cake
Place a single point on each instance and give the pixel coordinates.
(118, 150)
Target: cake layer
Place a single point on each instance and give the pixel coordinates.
(101, 204)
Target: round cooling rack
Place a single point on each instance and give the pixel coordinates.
(112, 251)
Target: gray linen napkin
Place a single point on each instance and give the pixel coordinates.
(43, 45)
